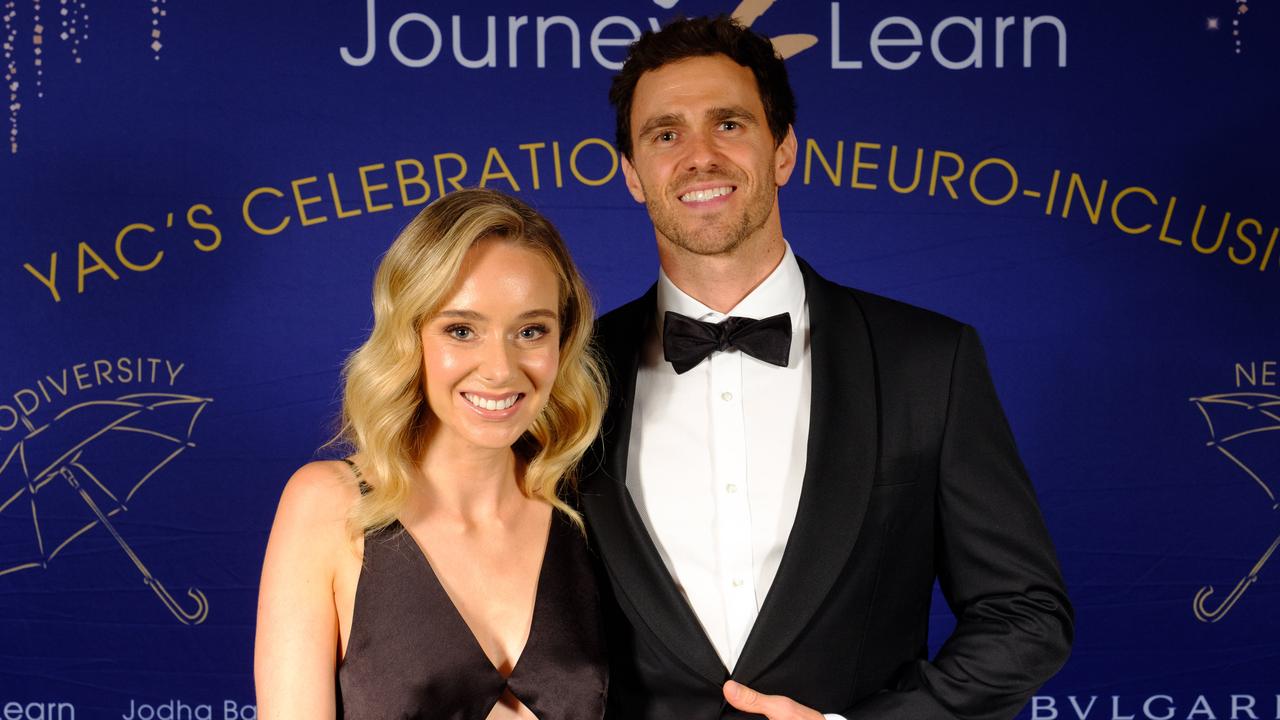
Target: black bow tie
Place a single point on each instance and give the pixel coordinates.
(686, 342)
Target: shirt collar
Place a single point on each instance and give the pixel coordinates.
(782, 291)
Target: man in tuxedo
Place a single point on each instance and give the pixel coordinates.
(787, 465)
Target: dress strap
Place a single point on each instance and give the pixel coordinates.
(355, 469)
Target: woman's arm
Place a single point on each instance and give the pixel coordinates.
(297, 645)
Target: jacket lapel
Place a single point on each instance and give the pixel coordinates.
(631, 558)
(839, 471)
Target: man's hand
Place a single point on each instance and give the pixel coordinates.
(774, 707)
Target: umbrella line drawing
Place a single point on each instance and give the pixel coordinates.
(158, 424)
(1204, 614)
(1258, 413)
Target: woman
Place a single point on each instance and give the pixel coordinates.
(438, 572)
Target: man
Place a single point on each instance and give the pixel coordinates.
(770, 517)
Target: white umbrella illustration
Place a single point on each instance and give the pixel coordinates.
(75, 473)
(1244, 428)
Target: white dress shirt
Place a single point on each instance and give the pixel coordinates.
(717, 457)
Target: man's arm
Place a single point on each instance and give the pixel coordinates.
(996, 567)
(997, 570)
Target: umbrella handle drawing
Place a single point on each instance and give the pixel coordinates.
(187, 617)
(1204, 614)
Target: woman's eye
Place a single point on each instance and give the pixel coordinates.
(532, 332)
(459, 332)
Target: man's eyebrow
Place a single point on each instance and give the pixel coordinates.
(730, 113)
(664, 120)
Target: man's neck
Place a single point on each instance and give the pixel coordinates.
(721, 281)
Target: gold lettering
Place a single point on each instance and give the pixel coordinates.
(369, 190)
(302, 202)
(248, 220)
(1013, 184)
(1115, 209)
(486, 175)
(337, 201)
(50, 281)
(893, 162)
(120, 236)
(404, 181)
(191, 222)
(533, 149)
(811, 148)
(946, 179)
(858, 147)
(97, 265)
(573, 162)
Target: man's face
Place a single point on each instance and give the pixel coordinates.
(705, 164)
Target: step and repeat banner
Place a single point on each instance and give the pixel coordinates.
(193, 198)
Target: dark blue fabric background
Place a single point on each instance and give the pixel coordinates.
(1097, 339)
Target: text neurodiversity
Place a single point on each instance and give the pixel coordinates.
(340, 195)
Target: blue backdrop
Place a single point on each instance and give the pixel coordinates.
(193, 197)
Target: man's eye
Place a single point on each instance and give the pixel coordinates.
(665, 137)
(730, 125)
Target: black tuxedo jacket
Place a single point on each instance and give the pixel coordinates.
(911, 475)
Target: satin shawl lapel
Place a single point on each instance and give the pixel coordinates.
(629, 553)
(839, 471)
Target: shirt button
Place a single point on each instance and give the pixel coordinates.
(737, 582)
(726, 396)
(731, 488)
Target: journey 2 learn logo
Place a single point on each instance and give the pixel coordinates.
(77, 445)
(1243, 428)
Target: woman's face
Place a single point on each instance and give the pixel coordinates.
(491, 353)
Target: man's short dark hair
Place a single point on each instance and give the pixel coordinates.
(700, 37)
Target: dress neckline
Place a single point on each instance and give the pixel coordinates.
(461, 621)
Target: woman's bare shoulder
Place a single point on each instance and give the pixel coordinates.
(319, 496)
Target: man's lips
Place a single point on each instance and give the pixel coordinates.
(706, 194)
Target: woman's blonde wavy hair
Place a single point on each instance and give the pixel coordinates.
(384, 408)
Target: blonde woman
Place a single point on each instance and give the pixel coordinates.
(439, 572)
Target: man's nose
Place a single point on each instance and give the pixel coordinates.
(701, 152)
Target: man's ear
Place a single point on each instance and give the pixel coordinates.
(633, 180)
(784, 158)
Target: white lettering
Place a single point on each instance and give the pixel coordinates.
(490, 58)
(232, 711)
(393, 40)
(836, 62)
(173, 372)
(1082, 714)
(1042, 708)
(543, 24)
(878, 42)
(1238, 706)
(598, 42)
(975, 55)
(370, 41)
(1201, 708)
(513, 27)
(1115, 709)
(1030, 24)
(1146, 707)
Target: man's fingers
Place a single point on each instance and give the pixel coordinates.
(744, 698)
(774, 707)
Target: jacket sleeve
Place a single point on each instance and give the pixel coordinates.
(996, 567)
